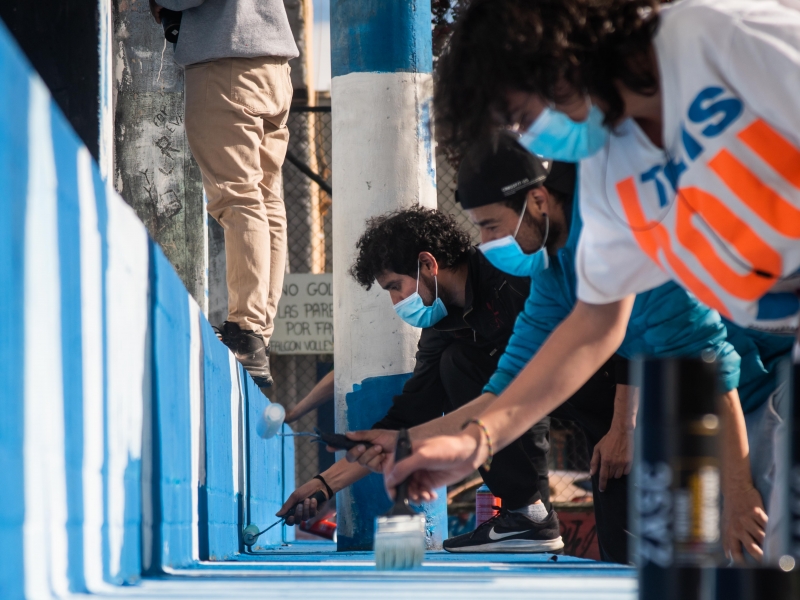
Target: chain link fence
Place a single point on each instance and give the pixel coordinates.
(307, 194)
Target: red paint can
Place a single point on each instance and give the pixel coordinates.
(485, 503)
(322, 528)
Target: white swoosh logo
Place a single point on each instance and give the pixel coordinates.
(500, 536)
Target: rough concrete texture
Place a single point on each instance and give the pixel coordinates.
(154, 170)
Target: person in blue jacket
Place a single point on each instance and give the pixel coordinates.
(666, 321)
(530, 222)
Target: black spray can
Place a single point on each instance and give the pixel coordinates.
(675, 508)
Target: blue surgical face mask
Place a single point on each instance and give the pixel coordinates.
(554, 135)
(505, 253)
(414, 312)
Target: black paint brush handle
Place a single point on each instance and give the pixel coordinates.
(401, 451)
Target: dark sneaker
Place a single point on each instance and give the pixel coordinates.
(249, 349)
(510, 532)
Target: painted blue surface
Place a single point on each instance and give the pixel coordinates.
(167, 386)
(102, 227)
(287, 481)
(13, 186)
(221, 520)
(376, 36)
(366, 405)
(171, 343)
(265, 482)
(65, 146)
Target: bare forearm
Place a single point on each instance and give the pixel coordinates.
(735, 448)
(451, 423)
(626, 407)
(570, 356)
(342, 474)
(321, 393)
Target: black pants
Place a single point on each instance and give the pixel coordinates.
(592, 409)
(519, 473)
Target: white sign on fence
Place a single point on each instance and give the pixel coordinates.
(304, 323)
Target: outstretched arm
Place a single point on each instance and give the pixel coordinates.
(569, 357)
(319, 395)
(340, 475)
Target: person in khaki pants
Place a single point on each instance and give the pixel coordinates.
(237, 95)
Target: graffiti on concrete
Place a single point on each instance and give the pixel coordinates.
(154, 169)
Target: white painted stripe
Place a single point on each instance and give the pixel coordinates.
(195, 416)
(392, 172)
(92, 342)
(127, 283)
(236, 422)
(44, 531)
(106, 133)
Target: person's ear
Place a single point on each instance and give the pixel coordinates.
(539, 201)
(428, 263)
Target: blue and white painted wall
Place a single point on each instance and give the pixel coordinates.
(123, 418)
(383, 160)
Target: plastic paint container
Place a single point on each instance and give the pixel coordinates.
(485, 501)
(271, 421)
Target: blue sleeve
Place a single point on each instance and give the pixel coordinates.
(672, 322)
(761, 354)
(544, 310)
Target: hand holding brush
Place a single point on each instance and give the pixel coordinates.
(400, 533)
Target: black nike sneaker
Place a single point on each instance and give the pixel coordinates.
(510, 531)
(249, 349)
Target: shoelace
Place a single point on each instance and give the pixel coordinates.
(501, 512)
(221, 336)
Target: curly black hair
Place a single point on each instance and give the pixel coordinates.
(499, 46)
(392, 242)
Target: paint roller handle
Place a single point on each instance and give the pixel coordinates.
(339, 441)
(320, 496)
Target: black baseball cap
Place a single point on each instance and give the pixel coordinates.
(495, 170)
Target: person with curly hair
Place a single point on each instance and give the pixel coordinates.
(685, 122)
(466, 308)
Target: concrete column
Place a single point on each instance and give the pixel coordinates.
(382, 160)
(154, 169)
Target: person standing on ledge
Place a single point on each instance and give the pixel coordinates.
(237, 96)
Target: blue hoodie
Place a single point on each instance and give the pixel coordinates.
(666, 321)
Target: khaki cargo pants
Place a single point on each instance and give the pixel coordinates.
(236, 111)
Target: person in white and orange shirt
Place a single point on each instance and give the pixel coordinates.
(685, 121)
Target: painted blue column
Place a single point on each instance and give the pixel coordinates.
(381, 94)
(13, 189)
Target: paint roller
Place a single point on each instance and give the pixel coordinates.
(271, 420)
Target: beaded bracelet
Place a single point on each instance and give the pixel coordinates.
(488, 464)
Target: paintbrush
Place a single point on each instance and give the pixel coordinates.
(400, 533)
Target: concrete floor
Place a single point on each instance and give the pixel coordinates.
(316, 572)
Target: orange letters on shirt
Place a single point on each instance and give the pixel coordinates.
(654, 236)
(753, 251)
